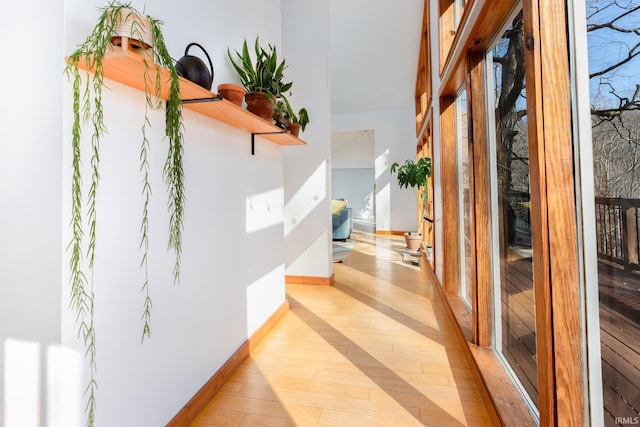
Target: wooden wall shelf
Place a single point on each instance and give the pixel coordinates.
(128, 68)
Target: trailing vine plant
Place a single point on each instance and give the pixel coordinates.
(88, 109)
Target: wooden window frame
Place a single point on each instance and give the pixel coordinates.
(423, 94)
(482, 327)
(561, 358)
(561, 382)
(446, 28)
(450, 217)
(425, 149)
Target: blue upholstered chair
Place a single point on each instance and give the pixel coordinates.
(342, 222)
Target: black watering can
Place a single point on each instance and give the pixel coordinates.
(194, 69)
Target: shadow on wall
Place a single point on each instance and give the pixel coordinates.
(40, 385)
(306, 199)
(302, 214)
(368, 208)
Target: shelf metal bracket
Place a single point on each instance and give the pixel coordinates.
(199, 100)
(219, 98)
(253, 139)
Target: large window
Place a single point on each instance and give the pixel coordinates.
(515, 322)
(458, 9)
(464, 197)
(519, 230)
(613, 36)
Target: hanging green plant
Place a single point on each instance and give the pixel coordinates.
(145, 31)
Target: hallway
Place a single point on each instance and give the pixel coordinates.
(375, 349)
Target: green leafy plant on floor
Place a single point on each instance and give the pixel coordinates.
(416, 176)
(88, 109)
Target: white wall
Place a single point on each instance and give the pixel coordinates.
(356, 186)
(230, 285)
(437, 159)
(353, 171)
(234, 211)
(307, 172)
(395, 140)
(30, 222)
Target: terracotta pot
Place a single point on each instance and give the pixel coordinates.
(259, 104)
(231, 92)
(413, 241)
(294, 128)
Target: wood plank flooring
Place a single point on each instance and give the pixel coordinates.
(375, 349)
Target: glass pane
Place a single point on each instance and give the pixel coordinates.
(464, 202)
(613, 32)
(511, 193)
(457, 11)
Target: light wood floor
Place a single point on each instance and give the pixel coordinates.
(376, 349)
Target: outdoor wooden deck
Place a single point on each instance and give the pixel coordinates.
(619, 293)
(518, 325)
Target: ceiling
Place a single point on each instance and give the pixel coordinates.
(352, 149)
(374, 46)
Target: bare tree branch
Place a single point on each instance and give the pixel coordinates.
(610, 24)
(633, 52)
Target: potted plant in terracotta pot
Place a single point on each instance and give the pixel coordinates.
(232, 92)
(298, 121)
(415, 175)
(262, 77)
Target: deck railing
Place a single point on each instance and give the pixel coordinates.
(617, 227)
